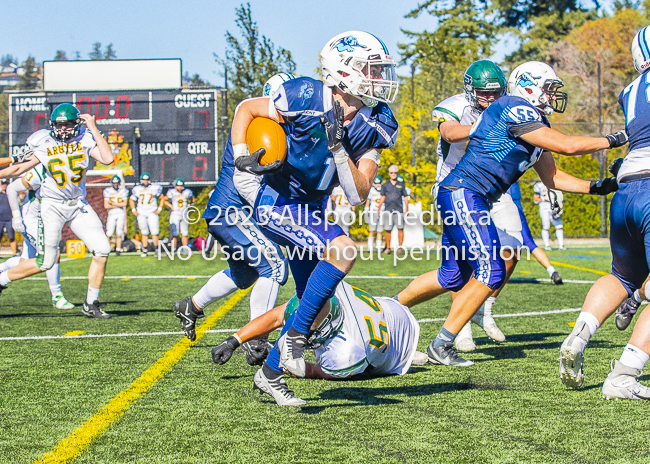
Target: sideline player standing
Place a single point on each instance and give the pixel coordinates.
(179, 199)
(147, 211)
(512, 135)
(343, 214)
(336, 128)
(115, 198)
(65, 152)
(543, 199)
(629, 218)
(371, 214)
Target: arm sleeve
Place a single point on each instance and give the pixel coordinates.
(522, 129)
(13, 189)
(247, 185)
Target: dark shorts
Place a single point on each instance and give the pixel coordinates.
(5, 226)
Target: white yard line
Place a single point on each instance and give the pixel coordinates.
(148, 334)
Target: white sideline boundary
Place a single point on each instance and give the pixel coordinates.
(517, 279)
(149, 334)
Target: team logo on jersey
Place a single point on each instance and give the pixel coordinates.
(267, 89)
(526, 80)
(306, 91)
(347, 44)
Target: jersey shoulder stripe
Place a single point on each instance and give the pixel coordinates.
(452, 107)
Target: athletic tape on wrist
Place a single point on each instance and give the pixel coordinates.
(346, 179)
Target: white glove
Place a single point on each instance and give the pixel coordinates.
(17, 224)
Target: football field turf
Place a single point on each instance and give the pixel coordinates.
(144, 395)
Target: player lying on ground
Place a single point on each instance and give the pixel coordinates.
(629, 217)
(28, 223)
(354, 333)
(336, 129)
(512, 135)
(252, 258)
(65, 152)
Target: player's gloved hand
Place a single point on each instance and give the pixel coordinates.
(251, 164)
(335, 132)
(617, 140)
(20, 157)
(17, 224)
(603, 187)
(222, 353)
(616, 166)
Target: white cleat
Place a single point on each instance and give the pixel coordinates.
(572, 356)
(291, 346)
(419, 359)
(621, 384)
(464, 340)
(488, 324)
(277, 388)
(59, 302)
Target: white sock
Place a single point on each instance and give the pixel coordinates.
(219, 285)
(371, 240)
(54, 279)
(590, 320)
(9, 263)
(263, 296)
(546, 237)
(4, 278)
(559, 233)
(92, 295)
(637, 297)
(550, 271)
(634, 357)
(487, 311)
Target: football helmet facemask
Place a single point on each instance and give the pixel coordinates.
(538, 83)
(358, 64)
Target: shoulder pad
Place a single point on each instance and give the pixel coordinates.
(450, 109)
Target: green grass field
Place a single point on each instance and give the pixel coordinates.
(509, 408)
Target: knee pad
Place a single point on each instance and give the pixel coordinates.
(48, 259)
(102, 249)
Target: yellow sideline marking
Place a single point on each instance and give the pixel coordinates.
(125, 279)
(74, 333)
(571, 266)
(392, 274)
(75, 443)
(571, 324)
(191, 278)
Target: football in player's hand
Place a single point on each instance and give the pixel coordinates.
(268, 134)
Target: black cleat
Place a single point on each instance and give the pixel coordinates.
(256, 351)
(626, 312)
(557, 278)
(117, 252)
(188, 313)
(93, 310)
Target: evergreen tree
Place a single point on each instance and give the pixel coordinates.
(29, 80)
(60, 56)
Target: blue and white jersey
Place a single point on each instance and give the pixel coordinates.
(224, 194)
(309, 171)
(496, 157)
(635, 102)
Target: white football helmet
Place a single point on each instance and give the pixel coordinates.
(358, 63)
(537, 83)
(275, 82)
(641, 50)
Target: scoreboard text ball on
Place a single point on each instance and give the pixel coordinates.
(168, 133)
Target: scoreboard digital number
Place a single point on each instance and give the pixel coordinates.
(167, 133)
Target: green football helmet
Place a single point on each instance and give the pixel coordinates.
(65, 112)
(145, 176)
(178, 181)
(116, 180)
(483, 82)
(327, 329)
(378, 180)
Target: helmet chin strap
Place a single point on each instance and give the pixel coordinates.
(370, 102)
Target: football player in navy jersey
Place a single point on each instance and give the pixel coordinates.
(336, 129)
(511, 136)
(252, 258)
(629, 217)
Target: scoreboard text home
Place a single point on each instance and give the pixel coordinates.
(168, 133)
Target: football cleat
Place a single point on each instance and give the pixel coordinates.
(93, 310)
(291, 346)
(557, 278)
(277, 388)
(626, 312)
(59, 302)
(622, 383)
(117, 252)
(572, 356)
(464, 341)
(188, 313)
(548, 248)
(446, 355)
(419, 359)
(256, 351)
(143, 254)
(488, 324)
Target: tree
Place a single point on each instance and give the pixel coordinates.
(107, 54)
(7, 60)
(251, 61)
(29, 79)
(60, 56)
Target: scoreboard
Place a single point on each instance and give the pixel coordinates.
(167, 133)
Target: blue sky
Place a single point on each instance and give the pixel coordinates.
(192, 30)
